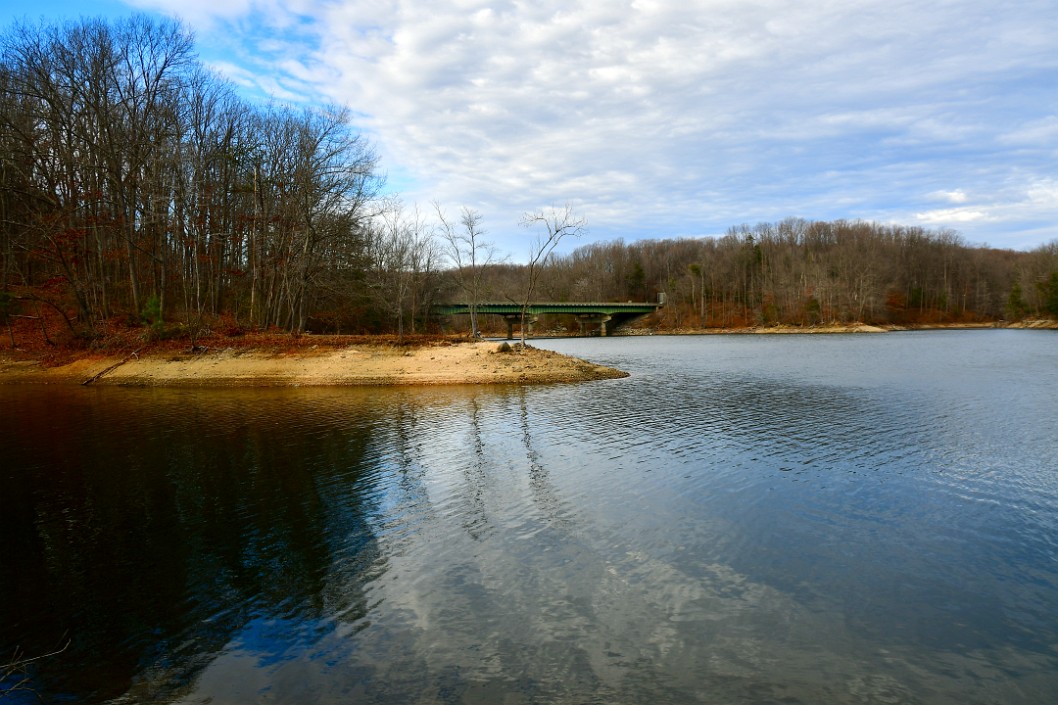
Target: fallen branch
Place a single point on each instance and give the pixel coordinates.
(20, 663)
(93, 378)
(13, 675)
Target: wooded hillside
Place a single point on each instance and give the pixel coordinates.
(137, 188)
(803, 273)
(136, 184)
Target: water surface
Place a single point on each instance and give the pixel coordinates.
(746, 519)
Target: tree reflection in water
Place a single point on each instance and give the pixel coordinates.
(154, 527)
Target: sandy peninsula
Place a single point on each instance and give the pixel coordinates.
(353, 365)
(336, 362)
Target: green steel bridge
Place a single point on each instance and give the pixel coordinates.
(605, 315)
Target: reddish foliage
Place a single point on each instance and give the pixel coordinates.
(34, 325)
(895, 301)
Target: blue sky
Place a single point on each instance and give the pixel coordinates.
(671, 118)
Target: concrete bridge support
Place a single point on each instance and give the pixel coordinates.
(512, 318)
(598, 319)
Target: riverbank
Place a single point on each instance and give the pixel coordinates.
(333, 361)
(782, 329)
(352, 365)
(778, 330)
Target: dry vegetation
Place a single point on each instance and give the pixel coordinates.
(132, 357)
(143, 205)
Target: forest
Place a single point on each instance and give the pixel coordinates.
(137, 189)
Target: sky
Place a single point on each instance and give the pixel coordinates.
(669, 118)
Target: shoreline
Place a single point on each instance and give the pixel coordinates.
(468, 363)
(376, 364)
(785, 329)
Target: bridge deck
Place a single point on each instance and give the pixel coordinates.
(539, 307)
(606, 314)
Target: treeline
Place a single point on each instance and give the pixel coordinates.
(800, 272)
(134, 183)
(137, 188)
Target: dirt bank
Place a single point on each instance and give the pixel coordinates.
(847, 328)
(1041, 324)
(467, 363)
(776, 330)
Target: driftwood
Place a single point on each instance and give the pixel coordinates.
(93, 378)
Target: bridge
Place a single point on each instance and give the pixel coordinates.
(606, 315)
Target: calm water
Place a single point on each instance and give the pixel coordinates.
(816, 519)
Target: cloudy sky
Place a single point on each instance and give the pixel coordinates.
(670, 118)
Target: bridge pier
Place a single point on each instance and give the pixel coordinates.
(599, 319)
(512, 318)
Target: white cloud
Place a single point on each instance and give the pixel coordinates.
(956, 196)
(1030, 205)
(660, 117)
(947, 216)
(1044, 194)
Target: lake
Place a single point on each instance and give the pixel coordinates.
(746, 519)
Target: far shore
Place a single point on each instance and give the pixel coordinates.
(445, 362)
(784, 329)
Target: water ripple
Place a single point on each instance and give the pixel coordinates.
(742, 520)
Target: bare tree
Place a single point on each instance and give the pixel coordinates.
(132, 178)
(470, 253)
(557, 224)
(402, 263)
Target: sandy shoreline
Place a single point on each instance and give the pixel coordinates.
(355, 365)
(367, 364)
(1043, 324)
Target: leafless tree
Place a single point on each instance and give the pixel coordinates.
(403, 264)
(557, 224)
(471, 254)
(130, 175)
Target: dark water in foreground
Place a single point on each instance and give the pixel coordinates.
(817, 519)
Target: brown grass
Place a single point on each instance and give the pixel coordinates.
(47, 340)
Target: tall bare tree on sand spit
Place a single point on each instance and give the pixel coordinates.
(557, 224)
(470, 253)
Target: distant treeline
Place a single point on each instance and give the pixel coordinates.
(802, 272)
(137, 187)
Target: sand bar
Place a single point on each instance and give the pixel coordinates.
(356, 365)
